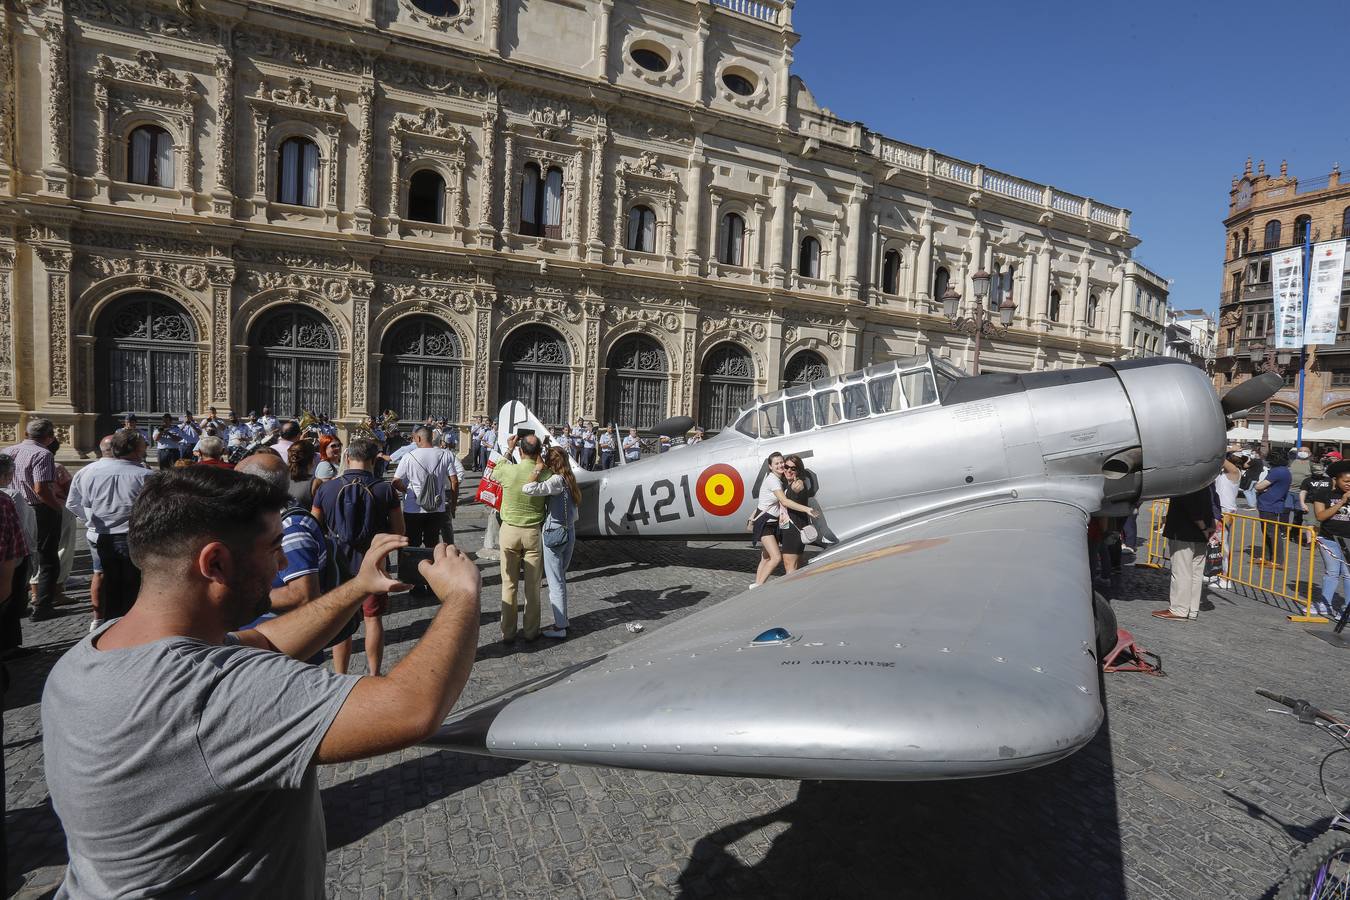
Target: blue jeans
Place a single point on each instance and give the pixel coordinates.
(556, 561)
(1337, 569)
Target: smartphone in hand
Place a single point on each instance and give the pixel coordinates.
(408, 560)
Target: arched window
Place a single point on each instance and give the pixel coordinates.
(531, 200)
(641, 230)
(298, 172)
(553, 203)
(294, 363)
(1301, 226)
(890, 272)
(941, 280)
(1092, 311)
(421, 370)
(635, 387)
(1345, 222)
(534, 371)
(1054, 306)
(147, 359)
(731, 240)
(804, 367)
(728, 384)
(1272, 234)
(808, 258)
(1245, 244)
(150, 156)
(426, 197)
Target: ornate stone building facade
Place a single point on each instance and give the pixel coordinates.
(1273, 212)
(607, 209)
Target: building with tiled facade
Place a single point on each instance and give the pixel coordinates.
(617, 210)
(1273, 212)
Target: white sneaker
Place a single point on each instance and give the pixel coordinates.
(94, 625)
(753, 586)
(555, 633)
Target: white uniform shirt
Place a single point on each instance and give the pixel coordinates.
(415, 468)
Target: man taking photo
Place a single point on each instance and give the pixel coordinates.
(181, 756)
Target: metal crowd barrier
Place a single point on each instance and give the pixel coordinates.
(1275, 558)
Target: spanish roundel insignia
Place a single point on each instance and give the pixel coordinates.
(720, 490)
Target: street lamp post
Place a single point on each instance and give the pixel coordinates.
(982, 323)
(1265, 361)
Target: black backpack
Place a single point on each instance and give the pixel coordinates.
(353, 522)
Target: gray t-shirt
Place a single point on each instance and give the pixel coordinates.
(183, 768)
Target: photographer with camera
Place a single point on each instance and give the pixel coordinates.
(181, 756)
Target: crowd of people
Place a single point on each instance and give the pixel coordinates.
(592, 445)
(1285, 489)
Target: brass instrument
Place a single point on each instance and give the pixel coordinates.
(307, 420)
(388, 422)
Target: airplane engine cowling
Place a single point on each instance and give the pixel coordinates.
(1182, 428)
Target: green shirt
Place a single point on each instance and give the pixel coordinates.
(517, 508)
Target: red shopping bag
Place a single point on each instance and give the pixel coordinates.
(489, 493)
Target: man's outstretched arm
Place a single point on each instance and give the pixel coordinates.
(388, 712)
(305, 631)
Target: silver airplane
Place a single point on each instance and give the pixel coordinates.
(949, 630)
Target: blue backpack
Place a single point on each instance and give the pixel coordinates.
(354, 523)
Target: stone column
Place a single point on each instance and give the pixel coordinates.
(590, 374)
(487, 177)
(853, 244)
(482, 352)
(365, 152)
(222, 196)
(693, 209)
(361, 289)
(595, 244)
(773, 355)
(1082, 291)
(56, 169)
(9, 376)
(7, 102)
(1128, 285)
(51, 340)
(1041, 289)
(923, 265)
(602, 56)
(509, 211)
(781, 209)
(700, 61)
(220, 274)
(1108, 322)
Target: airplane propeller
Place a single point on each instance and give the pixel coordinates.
(1251, 392)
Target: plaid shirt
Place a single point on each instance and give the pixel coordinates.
(12, 543)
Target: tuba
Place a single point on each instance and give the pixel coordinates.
(307, 420)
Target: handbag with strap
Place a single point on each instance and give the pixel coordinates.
(489, 493)
(557, 536)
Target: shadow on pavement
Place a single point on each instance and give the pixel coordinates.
(356, 808)
(1019, 835)
(32, 845)
(628, 606)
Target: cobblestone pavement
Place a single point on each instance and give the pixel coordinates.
(1191, 789)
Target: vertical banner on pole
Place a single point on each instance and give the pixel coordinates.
(1324, 292)
(1288, 278)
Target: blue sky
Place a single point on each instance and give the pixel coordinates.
(1151, 106)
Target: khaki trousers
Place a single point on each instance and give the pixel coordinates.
(520, 546)
(1188, 577)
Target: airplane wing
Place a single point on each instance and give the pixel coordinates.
(956, 647)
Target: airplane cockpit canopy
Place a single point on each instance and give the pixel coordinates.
(902, 384)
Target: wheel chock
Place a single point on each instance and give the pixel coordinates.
(1128, 656)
